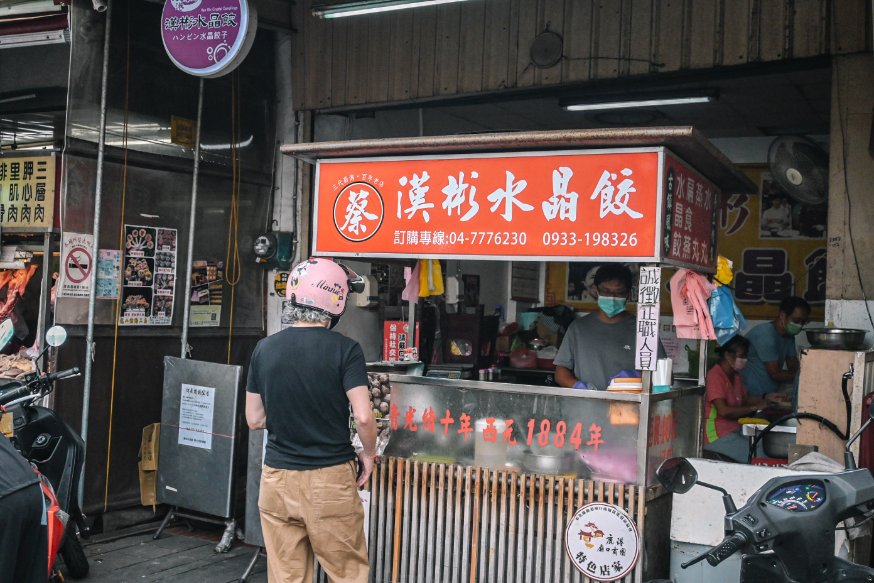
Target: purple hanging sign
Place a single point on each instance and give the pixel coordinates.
(207, 38)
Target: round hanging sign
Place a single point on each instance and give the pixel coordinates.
(602, 542)
(208, 38)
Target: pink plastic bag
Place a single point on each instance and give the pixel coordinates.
(689, 295)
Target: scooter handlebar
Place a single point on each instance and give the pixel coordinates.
(64, 374)
(15, 394)
(729, 546)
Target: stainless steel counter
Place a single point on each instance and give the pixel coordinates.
(607, 436)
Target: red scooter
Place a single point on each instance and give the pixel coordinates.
(57, 453)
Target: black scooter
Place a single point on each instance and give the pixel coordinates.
(786, 530)
(51, 445)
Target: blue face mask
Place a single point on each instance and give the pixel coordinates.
(611, 306)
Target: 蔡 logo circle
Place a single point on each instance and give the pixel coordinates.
(358, 211)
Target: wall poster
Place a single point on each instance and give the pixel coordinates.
(206, 293)
(108, 271)
(149, 276)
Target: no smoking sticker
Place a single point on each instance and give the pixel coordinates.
(77, 263)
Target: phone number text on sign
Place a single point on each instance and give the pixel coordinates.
(593, 239)
(543, 432)
(585, 203)
(550, 239)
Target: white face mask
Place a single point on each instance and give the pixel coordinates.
(739, 363)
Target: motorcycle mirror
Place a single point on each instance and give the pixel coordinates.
(677, 475)
(56, 335)
(6, 331)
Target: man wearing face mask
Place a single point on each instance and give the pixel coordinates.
(773, 360)
(599, 346)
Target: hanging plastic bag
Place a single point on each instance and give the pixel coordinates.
(689, 295)
(727, 317)
(722, 308)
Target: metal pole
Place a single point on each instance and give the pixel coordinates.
(92, 278)
(186, 301)
(45, 290)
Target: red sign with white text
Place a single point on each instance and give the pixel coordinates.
(396, 338)
(691, 204)
(592, 204)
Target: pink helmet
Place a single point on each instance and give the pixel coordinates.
(320, 284)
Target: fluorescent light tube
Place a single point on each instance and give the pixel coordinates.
(627, 104)
(365, 7)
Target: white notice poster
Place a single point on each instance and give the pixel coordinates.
(648, 305)
(196, 411)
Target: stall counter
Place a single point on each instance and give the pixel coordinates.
(598, 435)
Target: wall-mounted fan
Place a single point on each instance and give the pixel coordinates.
(800, 167)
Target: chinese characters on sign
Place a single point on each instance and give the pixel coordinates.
(396, 339)
(542, 432)
(663, 436)
(569, 204)
(770, 265)
(148, 276)
(196, 412)
(691, 204)
(765, 275)
(648, 312)
(207, 38)
(27, 192)
(602, 542)
(77, 261)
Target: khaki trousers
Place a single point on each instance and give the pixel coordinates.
(313, 511)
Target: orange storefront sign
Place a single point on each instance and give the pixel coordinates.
(573, 205)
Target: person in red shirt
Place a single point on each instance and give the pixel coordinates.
(728, 400)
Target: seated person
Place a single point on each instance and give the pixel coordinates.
(773, 356)
(727, 400)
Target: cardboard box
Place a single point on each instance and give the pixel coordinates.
(148, 486)
(149, 447)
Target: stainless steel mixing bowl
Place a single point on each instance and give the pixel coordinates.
(836, 338)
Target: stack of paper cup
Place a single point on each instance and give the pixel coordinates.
(661, 379)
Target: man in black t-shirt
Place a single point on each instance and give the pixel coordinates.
(23, 542)
(301, 383)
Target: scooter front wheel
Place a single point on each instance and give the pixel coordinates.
(74, 556)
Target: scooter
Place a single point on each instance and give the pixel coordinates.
(786, 530)
(55, 450)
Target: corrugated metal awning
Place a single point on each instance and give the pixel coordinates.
(688, 143)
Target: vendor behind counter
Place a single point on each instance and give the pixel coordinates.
(600, 346)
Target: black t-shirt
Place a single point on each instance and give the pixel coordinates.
(15, 472)
(302, 375)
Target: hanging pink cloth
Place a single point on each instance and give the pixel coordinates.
(410, 293)
(689, 295)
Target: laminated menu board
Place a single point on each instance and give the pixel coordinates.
(148, 276)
